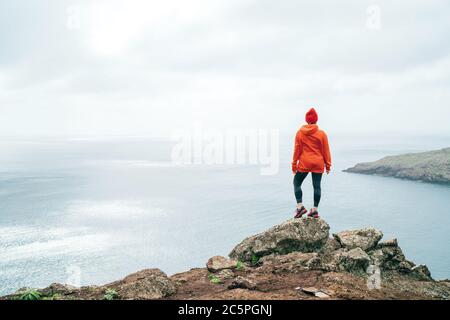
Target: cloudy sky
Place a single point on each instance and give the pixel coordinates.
(149, 67)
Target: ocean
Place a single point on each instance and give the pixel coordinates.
(92, 210)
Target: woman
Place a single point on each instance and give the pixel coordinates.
(311, 154)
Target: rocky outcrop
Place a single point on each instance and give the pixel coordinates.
(218, 263)
(144, 285)
(56, 289)
(388, 256)
(363, 238)
(354, 261)
(294, 260)
(147, 284)
(302, 235)
(433, 166)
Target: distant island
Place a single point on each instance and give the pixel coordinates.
(432, 166)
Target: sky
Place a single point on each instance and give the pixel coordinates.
(140, 67)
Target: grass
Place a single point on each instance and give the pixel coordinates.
(214, 279)
(239, 265)
(255, 259)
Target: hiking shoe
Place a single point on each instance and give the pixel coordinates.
(313, 214)
(300, 212)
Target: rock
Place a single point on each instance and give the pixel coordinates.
(242, 283)
(321, 295)
(363, 238)
(388, 243)
(377, 258)
(354, 261)
(391, 258)
(225, 274)
(291, 262)
(58, 288)
(421, 272)
(145, 285)
(304, 235)
(310, 290)
(331, 245)
(22, 290)
(315, 292)
(218, 263)
(298, 252)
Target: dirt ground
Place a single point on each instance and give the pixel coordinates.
(195, 284)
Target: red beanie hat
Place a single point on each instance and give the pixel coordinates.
(311, 116)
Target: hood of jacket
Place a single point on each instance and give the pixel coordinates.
(309, 129)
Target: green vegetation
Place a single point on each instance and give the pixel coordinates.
(30, 294)
(239, 265)
(214, 279)
(255, 259)
(110, 294)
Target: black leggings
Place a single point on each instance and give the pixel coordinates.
(316, 179)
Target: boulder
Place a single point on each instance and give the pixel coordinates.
(292, 262)
(218, 263)
(377, 257)
(388, 243)
(303, 235)
(145, 285)
(224, 274)
(391, 258)
(242, 283)
(365, 239)
(354, 261)
(421, 272)
(330, 246)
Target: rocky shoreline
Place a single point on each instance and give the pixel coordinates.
(432, 166)
(294, 260)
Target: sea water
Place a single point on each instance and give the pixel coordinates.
(94, 210)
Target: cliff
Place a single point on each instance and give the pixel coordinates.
(432, 166)
(294, 260)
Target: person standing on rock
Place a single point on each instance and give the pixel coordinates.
(311, 154)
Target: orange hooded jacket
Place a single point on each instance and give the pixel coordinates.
(311, 151)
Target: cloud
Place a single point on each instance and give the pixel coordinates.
(146, 67)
